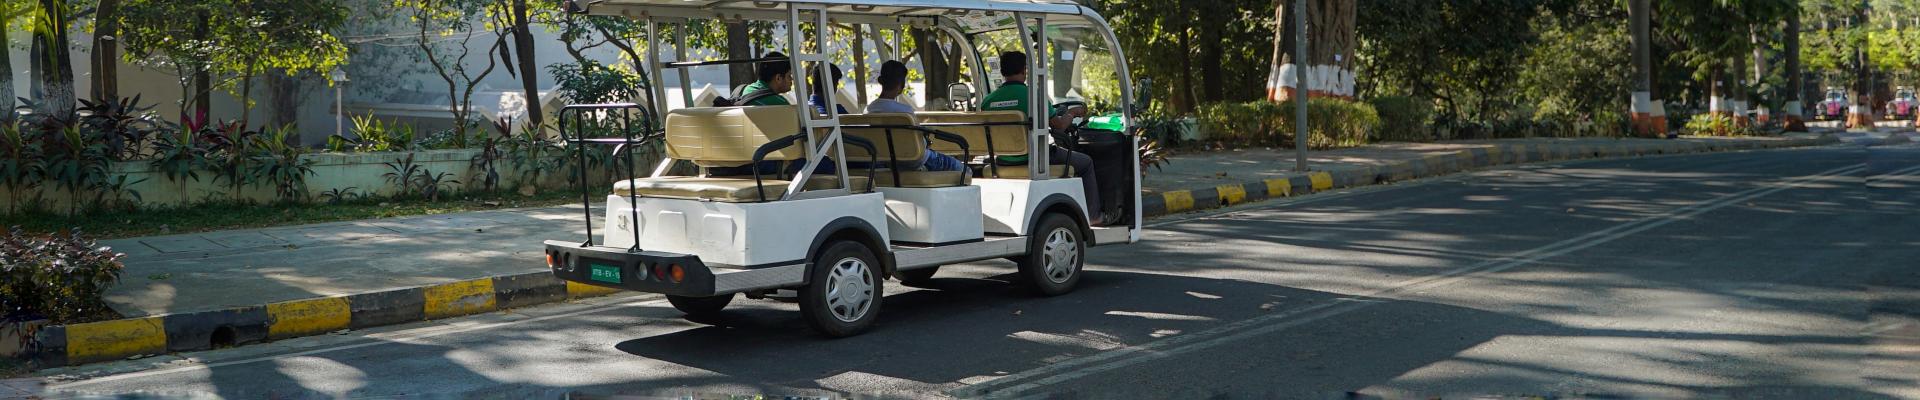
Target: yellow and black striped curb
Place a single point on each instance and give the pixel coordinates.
(1293, 184)
(151, 335)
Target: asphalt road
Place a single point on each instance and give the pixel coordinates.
(1776, 274)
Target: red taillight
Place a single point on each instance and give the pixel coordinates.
(678, 273)
(659, 271)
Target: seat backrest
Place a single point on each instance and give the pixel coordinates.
(909, 146)
(728, 136)
(1007, 139)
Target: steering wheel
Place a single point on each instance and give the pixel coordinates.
(1064, 107)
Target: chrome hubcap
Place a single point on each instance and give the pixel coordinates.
(849, 289)
(1062, 254)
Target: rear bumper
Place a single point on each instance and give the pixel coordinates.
(651, 271)
(646, 271)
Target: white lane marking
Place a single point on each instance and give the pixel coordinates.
(1134, 355)
(374, 339)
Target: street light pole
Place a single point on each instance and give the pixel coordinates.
(1300, 84)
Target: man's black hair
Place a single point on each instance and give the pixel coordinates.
(814, 81)
(770, 69)
(893, 74)
(1013, 63)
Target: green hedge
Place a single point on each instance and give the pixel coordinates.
(1402, 119)
(1333, 122)
(1717, 125)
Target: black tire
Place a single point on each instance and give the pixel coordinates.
(917, 277)
(700, 306)
(1034, 266)
(839, 313)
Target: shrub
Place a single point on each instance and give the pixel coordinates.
(61, 277)
(1402, 119)
(1333, 123)
(1717, 125)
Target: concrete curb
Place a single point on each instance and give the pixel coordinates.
(160, 334)
(1180, 201)
(170, 333)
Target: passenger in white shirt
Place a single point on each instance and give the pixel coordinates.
(893, 80)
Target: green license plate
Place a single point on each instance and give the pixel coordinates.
(603, 273)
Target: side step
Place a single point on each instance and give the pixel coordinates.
(912, 257)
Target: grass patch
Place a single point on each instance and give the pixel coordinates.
(224, 216)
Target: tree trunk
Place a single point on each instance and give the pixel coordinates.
(939, 74)
(202, 78)
(1645, 124)
(53, 83)
(1331, 40)
(524, 52)
(1282, 41)
(282, 96)
(106, 50)
(1212, 74)
(7, 113)
(1797, 84)
(739, 46)
(1758, 100)
(1861, 114)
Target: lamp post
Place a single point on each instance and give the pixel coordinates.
(339, 78)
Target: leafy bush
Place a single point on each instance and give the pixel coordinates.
(1717, 125)
(280, 164)
(22, 166)
(61, 278)
(592, 82)
(124, 124)
(1402, 119)
(373, 135)
(1333, 123)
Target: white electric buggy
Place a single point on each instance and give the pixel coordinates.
(831, 240)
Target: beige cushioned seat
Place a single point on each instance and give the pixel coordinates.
(725, 189)
(727, 137)
(918, 179)
(1008, 140)
(909, 147)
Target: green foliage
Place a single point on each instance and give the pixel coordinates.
(373, 135)
(124, 123)
(77, 162)
(1333, 123)
(234, 39)
(1717, 125)
(1465, 55)
(62, 278)
(277, 163)
(1171, 41)
(1402, 119)
(589, 82)
(401, 174)
(22, 165)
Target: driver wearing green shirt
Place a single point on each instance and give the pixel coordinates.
(1012, 95)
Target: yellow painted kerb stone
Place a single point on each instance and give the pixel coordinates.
(1179, 200)
(1279, 187)
(308, 317)
(459, 298)
(1321, 180)
(109, 340)
(1232, 194)
(579, 290)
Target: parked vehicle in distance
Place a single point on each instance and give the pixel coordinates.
(1834, 107)
(1903, 104)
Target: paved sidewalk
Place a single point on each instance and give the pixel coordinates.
(195, 291)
